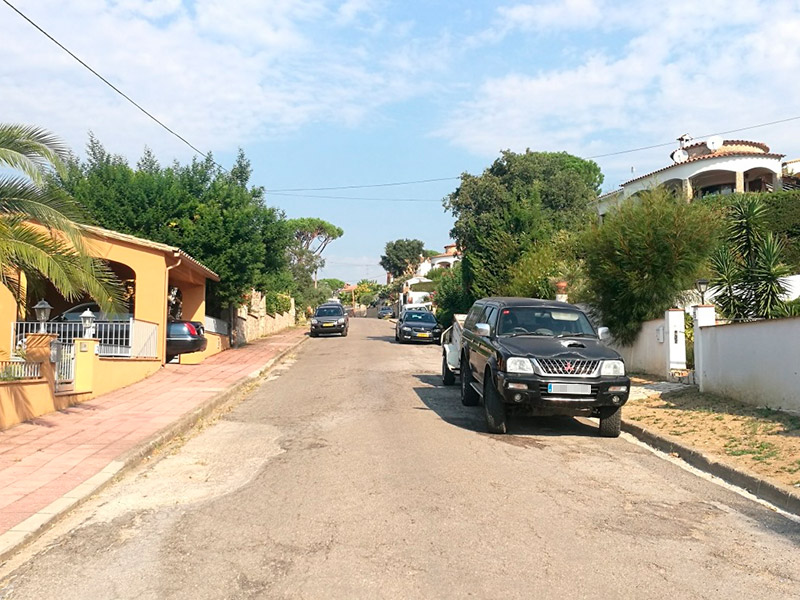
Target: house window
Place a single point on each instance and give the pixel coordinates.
(723, 189)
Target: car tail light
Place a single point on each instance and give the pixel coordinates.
(190, 328)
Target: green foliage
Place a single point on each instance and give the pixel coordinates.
(212, 215)
(643, 256)
(450, 296)
(401, 256)
(423, 286)
(334, 284)
(41, 256)
(781, 216)
(435, 274)
(534, 274)
(519, 202)
(277, 304)
(366, 291)
(747, 271)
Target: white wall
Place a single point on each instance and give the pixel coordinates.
(757, 363)
(647, 354)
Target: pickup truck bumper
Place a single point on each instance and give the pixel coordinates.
(565, 395)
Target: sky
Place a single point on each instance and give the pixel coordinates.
(334, 93)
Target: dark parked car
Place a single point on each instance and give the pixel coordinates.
(539, 357)
(185, 337)
(417, 325)
(329, 318)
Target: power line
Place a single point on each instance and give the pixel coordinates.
(371, 185)
(111, 85)
(351, 197)
(702, 136)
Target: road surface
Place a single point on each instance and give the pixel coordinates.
(353, 473)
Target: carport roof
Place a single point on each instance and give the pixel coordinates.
(195, 264)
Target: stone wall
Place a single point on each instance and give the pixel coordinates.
(252, 321)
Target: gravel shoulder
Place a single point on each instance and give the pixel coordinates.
(760, 441)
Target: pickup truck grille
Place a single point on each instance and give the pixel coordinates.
(568, 367)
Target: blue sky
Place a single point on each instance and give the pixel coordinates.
(323, 93)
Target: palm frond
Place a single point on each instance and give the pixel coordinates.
(32, 150)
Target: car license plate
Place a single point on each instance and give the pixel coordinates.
(423, 335)
(327, 324)
(579, 389)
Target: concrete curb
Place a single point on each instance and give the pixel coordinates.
(29, 530)
(760, 488)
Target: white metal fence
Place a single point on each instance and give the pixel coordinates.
(132, 338)
(19, 369)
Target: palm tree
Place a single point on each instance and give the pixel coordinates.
(40, 234)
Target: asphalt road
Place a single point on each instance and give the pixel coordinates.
(352, 473)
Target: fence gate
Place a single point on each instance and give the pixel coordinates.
(63, 355)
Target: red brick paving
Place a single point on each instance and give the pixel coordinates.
(44, 459)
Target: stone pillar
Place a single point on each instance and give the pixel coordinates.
(37, 349)
(739, 182)
(675, 326)
(687, 190)
(85, 361)
(704, 316)
(777, 182)
(561, 292)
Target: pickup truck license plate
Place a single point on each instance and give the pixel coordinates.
(569, 388)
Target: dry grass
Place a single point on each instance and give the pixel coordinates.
(761, 440)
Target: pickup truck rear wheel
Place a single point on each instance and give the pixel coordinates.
(448, 378)
(494, 407)
(611, 422)
(469, 397)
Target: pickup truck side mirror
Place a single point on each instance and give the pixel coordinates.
(483, 329)
(604, 334)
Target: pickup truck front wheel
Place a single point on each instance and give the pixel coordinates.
(611, 422)
(469, 397)
(496, 416)
(448, 378)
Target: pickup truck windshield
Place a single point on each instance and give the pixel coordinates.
(520, 320)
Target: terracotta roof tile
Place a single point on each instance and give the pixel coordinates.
(718, 154)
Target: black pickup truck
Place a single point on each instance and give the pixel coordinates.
(539, 357)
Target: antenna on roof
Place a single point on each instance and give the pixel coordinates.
(680, 155)
(714, 143)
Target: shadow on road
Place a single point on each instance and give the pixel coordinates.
(445, 401)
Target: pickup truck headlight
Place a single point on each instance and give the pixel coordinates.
(612, 368)
(519, 364)
(314, 321)
(405, 328)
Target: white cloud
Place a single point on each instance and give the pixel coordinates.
(222, 74)
(687, 66)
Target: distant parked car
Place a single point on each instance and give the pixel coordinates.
(74, 314)
(185, 337)
(417, 325)
(329, 318)
(384, 312)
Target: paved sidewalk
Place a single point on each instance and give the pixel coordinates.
(54, 462)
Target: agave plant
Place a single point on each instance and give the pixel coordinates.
(748, 272)
(40, 234)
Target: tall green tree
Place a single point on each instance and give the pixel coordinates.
(215, 216)
(56, 254)
(520, 201)
(401, 257)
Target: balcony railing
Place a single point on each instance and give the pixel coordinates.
(11, 370)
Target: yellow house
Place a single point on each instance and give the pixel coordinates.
(76, 368)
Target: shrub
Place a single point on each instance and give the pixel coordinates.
(644, 255)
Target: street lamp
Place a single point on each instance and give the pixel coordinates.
(701, 285)
(87, 320)
(42, 310)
